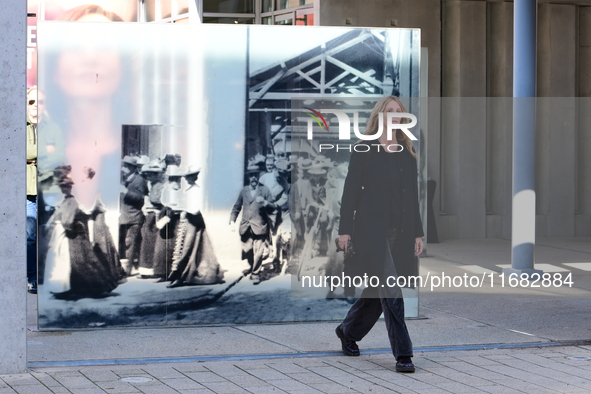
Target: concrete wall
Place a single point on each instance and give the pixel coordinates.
(499, 142)
(463, 130)
(556, 120)
(583, 164)
(13, 281)
(470, 46)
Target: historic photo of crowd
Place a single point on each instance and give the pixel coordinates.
(148, 220)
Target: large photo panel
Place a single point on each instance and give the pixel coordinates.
(166, 158)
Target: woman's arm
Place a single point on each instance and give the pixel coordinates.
(352, 190)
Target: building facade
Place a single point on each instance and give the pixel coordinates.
(469, 46)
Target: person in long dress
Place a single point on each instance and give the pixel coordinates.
(167, 222)
(154, 173)
(80, 262)
(194, 261)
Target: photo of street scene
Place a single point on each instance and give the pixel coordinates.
(170, 204)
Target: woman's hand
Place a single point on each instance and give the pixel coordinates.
(418, 246)
(344, 241)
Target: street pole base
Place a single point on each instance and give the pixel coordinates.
(519, 272)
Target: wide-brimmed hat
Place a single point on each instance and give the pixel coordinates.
(154, 166)
(317, 169)
(131, 160)
(323, 161)
(258, 159)
(173, 170)
(253, 170)
(304, 164)
(191, 169)
(142, 160)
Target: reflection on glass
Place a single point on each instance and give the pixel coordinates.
(267, 21)
(89, 13)
(150, 8)
(284, 22)
(234, 21)
(182, 6)
(100, 83)
(284, 4)
(88, 76)
(131, 94)
(229, 6)
(267, 6)
(157, 10)
(119, 11)
(304, 19)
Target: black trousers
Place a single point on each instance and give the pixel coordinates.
(253, 249)
(366, 311)
(130, 241)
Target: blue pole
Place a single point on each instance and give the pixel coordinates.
(524, 141)
(524, 48)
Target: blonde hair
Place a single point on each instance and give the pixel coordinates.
(374, 119)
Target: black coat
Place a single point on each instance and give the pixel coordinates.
(255, 214)
(381, 192)
(133, 200)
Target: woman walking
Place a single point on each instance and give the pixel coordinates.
(82, 260)
(380, 215)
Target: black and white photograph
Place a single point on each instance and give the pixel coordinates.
(192, 208)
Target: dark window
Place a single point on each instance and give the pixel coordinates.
(229, 6)
(237, 21)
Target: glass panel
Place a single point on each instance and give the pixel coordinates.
(150, 9)
(172, 8)
(123, 10)
(234, 21)
(206, 99)
(304, 18)
(267, 6)
(267, 20)
(32, 45)
(182, 6)
(284, 4)
(284, 22)
(229, 6)
(141, 88)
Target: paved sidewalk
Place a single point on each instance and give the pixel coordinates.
(522, 370)
(464, 343)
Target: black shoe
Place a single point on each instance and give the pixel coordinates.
(161, 279)
(176, 283)
(349, 347)
(32, 287)
(404, 364)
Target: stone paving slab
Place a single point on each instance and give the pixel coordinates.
(561, 369)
